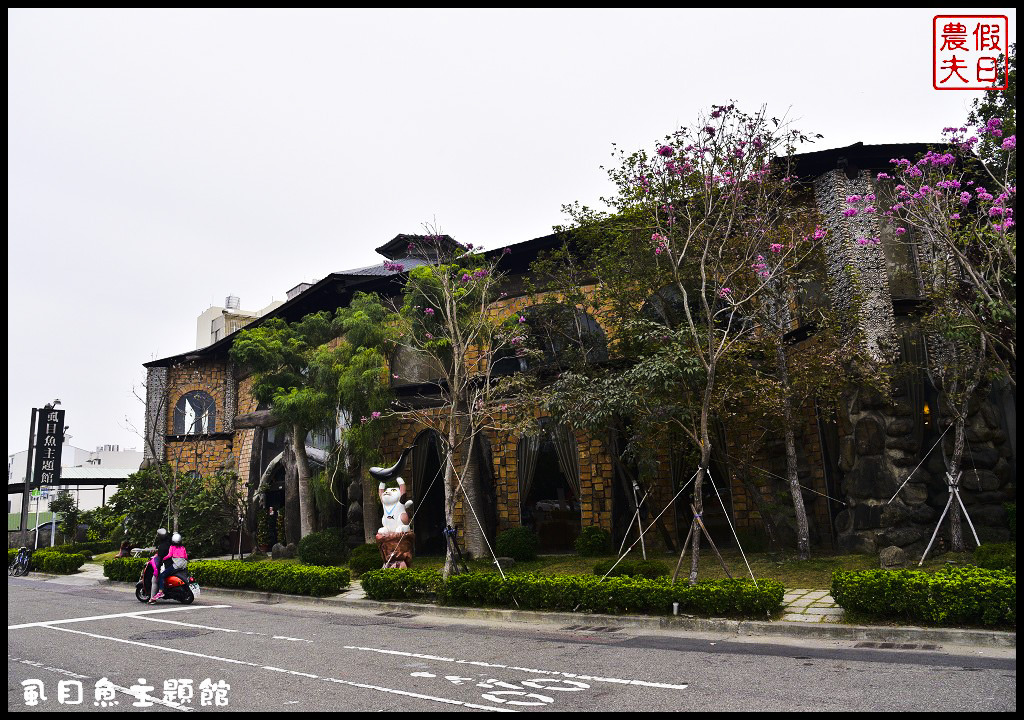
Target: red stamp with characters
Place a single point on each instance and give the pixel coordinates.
(969, 52)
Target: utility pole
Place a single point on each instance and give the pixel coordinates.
(28, 480)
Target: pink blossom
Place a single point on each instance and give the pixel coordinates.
(819, 233)
(1010, 143)
(900, 230)
(522, 319)
(428, 336)
(375, 414)
(850, 211)
(666, 151)
(429, 311)
(723, 292)
(776, 247)
(852, 199)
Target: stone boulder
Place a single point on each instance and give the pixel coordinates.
(892, 558)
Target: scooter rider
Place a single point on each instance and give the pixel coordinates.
(175, 559)
(163, 545)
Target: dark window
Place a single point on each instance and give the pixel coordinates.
(195, 414)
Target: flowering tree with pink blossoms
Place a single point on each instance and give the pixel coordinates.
(728, 227)
(447, 321)
(954, 207)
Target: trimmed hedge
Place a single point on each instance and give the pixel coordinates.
(996, 556)
(518, 543)
(323, 548)
(639, 567)
(365, 558)
(580, 593)
(62, 563)
(951, 596)
(395, 584)
(593, 541)
(265, 576)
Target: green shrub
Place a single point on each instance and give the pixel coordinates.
(518, 543)
(951, 596)
(265, 576)
(323, 548)
(633, 567)
(365, 558)
(396, 584)
(569, 593)
(593, 541)
(124, 569)
(996, 556)
(11, 554)
(61, 563)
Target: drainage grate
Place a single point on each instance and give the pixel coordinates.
(592, 628)
(397, 614)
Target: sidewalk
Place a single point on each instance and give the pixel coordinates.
(807, 614)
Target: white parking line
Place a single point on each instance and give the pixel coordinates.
(577, 676)
(137, 613)
(271, 668)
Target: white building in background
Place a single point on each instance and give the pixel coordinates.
(216, 323)
(80, 471)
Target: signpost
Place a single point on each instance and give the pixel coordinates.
(45, 443)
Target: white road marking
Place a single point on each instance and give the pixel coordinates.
(493, 697)
(576, 676)
(221, 629)
(447, 701)
(137, 613)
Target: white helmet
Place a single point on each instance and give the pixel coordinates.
(176, 538)
(161, 532)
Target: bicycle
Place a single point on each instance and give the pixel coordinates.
(19, 566)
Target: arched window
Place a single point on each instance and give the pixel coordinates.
(566, 336)
(195, 414)
(409, 367)
(550, 490)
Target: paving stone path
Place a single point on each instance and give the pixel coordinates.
(814, 606)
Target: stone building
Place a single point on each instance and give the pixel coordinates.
(201, 416)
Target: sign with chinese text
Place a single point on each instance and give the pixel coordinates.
(969, 52)
(49, 442)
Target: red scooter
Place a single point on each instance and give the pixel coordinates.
(179, 585)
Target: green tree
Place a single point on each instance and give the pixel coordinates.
(715, 201)
(448, 323)
(65, 505)
(316, 373)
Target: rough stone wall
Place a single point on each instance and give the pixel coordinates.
(244, 438)
(211, 377)
(203, 454)
(878, 453)
(769, 456)
(156, 418)
(855, 268)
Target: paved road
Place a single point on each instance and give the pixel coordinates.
(287, 656)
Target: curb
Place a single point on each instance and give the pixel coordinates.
(743, 628)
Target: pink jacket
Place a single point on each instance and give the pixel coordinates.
(177, 551)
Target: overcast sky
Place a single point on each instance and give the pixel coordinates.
(160, 160)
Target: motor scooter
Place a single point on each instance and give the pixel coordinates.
(179, 585)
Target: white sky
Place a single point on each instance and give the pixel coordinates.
(160, 160)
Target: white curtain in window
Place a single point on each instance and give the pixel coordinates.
(568, 456)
